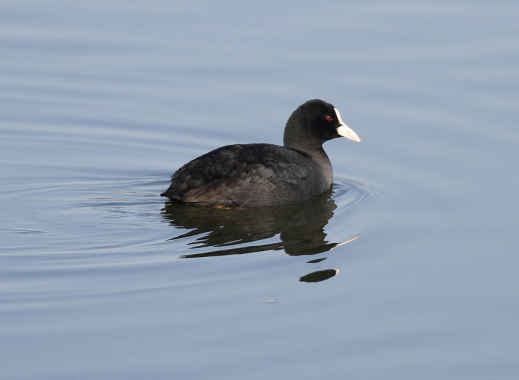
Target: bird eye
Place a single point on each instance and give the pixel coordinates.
(328, 117)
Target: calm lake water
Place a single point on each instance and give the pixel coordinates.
(408, 270)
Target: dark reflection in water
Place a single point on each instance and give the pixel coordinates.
(318, 260)
(319, 275)
(300, 226)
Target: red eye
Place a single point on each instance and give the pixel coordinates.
(328, 117)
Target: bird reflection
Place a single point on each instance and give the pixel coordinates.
(319, 275)
(300, 226)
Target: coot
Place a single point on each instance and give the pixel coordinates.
(251, 175)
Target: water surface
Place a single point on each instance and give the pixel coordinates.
(406, 270)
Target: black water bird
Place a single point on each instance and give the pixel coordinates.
(252, 175)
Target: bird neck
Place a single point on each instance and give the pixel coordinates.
(298, 135)
(299, 139)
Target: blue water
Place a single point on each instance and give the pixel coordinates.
(408, 270)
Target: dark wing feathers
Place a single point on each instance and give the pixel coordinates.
(231, 162)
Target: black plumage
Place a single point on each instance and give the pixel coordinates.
(249, 175)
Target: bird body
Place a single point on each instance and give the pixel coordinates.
(251, 175)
